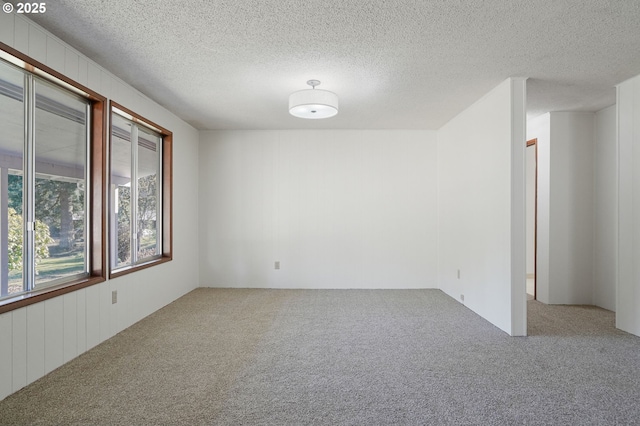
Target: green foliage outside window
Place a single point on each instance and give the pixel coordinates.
(124, 225)
(56, 202)
(43, 239)
(147, 208)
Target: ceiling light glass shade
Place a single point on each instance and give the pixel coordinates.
(313, 104)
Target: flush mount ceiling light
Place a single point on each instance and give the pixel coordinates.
(313, 103)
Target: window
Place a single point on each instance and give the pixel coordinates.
(51, 184)
(140, 188)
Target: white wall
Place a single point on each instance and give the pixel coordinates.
(41, 337)
(571, 208)
(337, 208)
(481, 207)
(565, 206)
(628, 294)
(606, 210)
(531, 208)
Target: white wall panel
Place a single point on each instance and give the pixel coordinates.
(7, 28)
(35, 342)
(56, 55)
(606, 210)
(105, 84)
(518, 237)
(93, 315)
(531, 208)
(118, 310)
(481, 207)
(120, 93)
(139, 102)
(81, 320)
(21, 36)
(70, 326)
(571, 208)
(53, 334)
(337, 209)
(94, 77)
(83, 71)
(628, 289)
(105, 311)
(19, 348)
(126, 300)
(71, 64)
(132, 314)
(37, 44)
(6, 357)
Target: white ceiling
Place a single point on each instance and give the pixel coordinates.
(231, 64)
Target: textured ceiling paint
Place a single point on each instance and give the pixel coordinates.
(412, 64)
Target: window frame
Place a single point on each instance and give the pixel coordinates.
(97, 231)
(166, 192)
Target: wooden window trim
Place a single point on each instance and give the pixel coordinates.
(167, 193)
(97, 199)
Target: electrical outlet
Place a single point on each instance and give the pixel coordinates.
(114, 297)
(462, 297)
(458, 273)
(277, 264)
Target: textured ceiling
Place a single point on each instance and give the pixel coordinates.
(231, 64)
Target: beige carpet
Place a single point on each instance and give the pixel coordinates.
(356, 357)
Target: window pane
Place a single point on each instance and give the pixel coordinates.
(137, 191)
(11, 159)
(121, 191)
(60, 202)
(147, 214)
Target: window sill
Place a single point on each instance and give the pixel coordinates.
(36, 296)
(139, 267)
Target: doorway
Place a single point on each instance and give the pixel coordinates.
(531, 215)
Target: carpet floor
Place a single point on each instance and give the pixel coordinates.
(343, 357)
